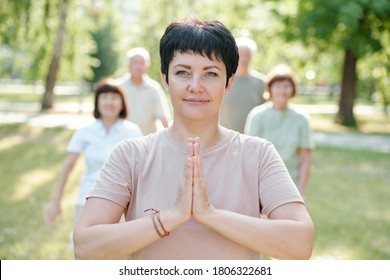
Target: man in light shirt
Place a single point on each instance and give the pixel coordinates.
(247, 89)
(145, 96)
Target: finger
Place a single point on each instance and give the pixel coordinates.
(198, 172)
(196, 147)
(189, 172)
(190, 147)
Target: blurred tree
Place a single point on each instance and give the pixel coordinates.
(32, 33)
(356, 26)
(150, 26)
(51, 78)
(105, 34)
(244, 18)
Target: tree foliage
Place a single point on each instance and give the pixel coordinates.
(28, 32)
(150, 25)
(354, 26)
(106, 37)
(306, 34)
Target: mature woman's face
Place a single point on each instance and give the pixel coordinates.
(109, 105)
(196, 86)
(281, 92)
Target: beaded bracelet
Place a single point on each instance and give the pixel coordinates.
(154, 216)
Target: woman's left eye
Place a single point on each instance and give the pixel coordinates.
(211, 74)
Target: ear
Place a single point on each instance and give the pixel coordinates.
(164, 80)
(229, 85)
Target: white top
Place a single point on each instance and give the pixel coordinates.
(96, 143)
(243, 174)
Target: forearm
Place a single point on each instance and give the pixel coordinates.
(281, 239)
(118, 241)
(303, 179)
(68, 166)
(304, 172)
(60, 186)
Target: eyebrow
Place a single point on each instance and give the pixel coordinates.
(189, 67)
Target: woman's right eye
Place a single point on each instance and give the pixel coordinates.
(181, 73)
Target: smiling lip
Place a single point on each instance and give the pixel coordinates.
(196, 101)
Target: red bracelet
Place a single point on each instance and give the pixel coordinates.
(157, 215)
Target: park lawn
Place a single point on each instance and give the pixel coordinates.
(348, 198)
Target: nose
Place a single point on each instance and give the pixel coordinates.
(195, 85)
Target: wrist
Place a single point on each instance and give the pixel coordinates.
(171, 219)
(207, 216)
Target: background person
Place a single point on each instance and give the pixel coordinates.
(95, 142)
(247, 90)
(145, 96)
(196, 189)
(288, 129)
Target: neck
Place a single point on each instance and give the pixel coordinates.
(136, 79)
(242, 70)
(209, 133)
(108, 122)
(279, 106)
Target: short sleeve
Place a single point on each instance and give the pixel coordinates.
(275, 184)
(76, 143)
(306, 139)
(115, 178)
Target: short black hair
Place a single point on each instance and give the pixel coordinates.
(207, 38)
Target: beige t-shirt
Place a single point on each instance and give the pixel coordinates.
(146, 103)
(243, 174)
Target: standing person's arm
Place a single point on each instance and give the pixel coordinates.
(305, 147)
(98, 235)
(304, 169)
(54, 209)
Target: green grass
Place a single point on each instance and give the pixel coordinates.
(348, 198)
(31, 160)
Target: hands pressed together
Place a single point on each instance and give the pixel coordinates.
(192, 196)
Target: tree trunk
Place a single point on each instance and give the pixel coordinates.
(345, 114)
(47, 101)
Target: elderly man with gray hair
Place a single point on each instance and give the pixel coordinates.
(145, 97)
(247, 90)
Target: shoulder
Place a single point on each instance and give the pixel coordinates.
(247, 143)
(152, 83)
(130, 125)
(123, 79)
(142, 144)
(299, 113)
(258, 75)
(91, 128)
(262, 109)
